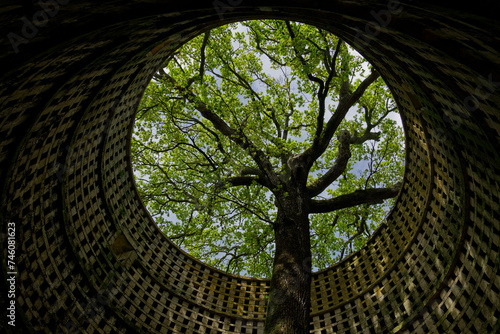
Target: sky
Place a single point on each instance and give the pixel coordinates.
(277, 73)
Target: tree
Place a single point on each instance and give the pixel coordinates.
(246, 158)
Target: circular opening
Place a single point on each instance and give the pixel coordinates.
(223, 124)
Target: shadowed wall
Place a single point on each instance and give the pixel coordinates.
(90, 259)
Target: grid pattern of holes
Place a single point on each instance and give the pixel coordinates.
(470, 289)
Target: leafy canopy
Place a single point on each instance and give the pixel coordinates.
(264, 79)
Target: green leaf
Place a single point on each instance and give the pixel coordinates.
(262, 83)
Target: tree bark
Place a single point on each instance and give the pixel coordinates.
(289, 301)
(367, 196)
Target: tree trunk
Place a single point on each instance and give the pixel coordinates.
(290, 293)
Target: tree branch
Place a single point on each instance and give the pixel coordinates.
(260, 48)
(333, 72)
(355, 139)
(248, 176)
(220, 146)
(236, 136)
(335, 56)
(368, 196)
(322, 90)
(201, 71)
(262, 215)
(242, 180)
(303, 61)
(346, 102)
(336, 170)
(202, 57)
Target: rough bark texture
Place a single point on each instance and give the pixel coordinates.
(290, 293)
(367, 196)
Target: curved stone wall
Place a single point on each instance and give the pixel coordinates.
(90, 259)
